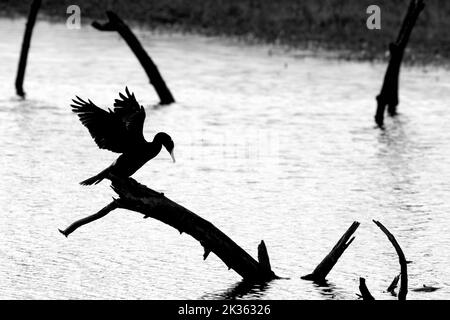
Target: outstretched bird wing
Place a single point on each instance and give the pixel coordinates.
(119, 130)
(132, 115)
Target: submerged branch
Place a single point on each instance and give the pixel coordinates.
(365, 293)
(393, 284)
(136, 197)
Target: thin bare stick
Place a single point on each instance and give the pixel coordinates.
(74, 226)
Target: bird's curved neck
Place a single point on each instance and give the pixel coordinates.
(155, 144)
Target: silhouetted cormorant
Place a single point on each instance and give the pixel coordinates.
(120, 131)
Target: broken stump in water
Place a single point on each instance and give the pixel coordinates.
(321, 271)
(116, 24)
(389, 91)
(34, 9)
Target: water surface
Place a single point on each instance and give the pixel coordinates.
(279, 147)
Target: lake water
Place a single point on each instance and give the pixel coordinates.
(270, 145)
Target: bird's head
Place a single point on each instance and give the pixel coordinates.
(167, 142)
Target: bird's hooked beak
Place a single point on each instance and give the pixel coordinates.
(173, 156)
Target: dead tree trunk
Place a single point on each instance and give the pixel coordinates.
(389, 91)
(403, 264)
(321, 271)
(117, 24)
(34, 9)
(136, 197)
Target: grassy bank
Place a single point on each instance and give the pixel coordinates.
(331, 24)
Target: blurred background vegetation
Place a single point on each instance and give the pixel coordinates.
(329, 24)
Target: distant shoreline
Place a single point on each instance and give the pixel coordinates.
(337, 26)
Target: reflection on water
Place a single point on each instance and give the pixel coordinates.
(240, 290)
(272, 147)
(328, 290)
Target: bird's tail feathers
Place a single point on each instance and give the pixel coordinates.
(95, 179)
